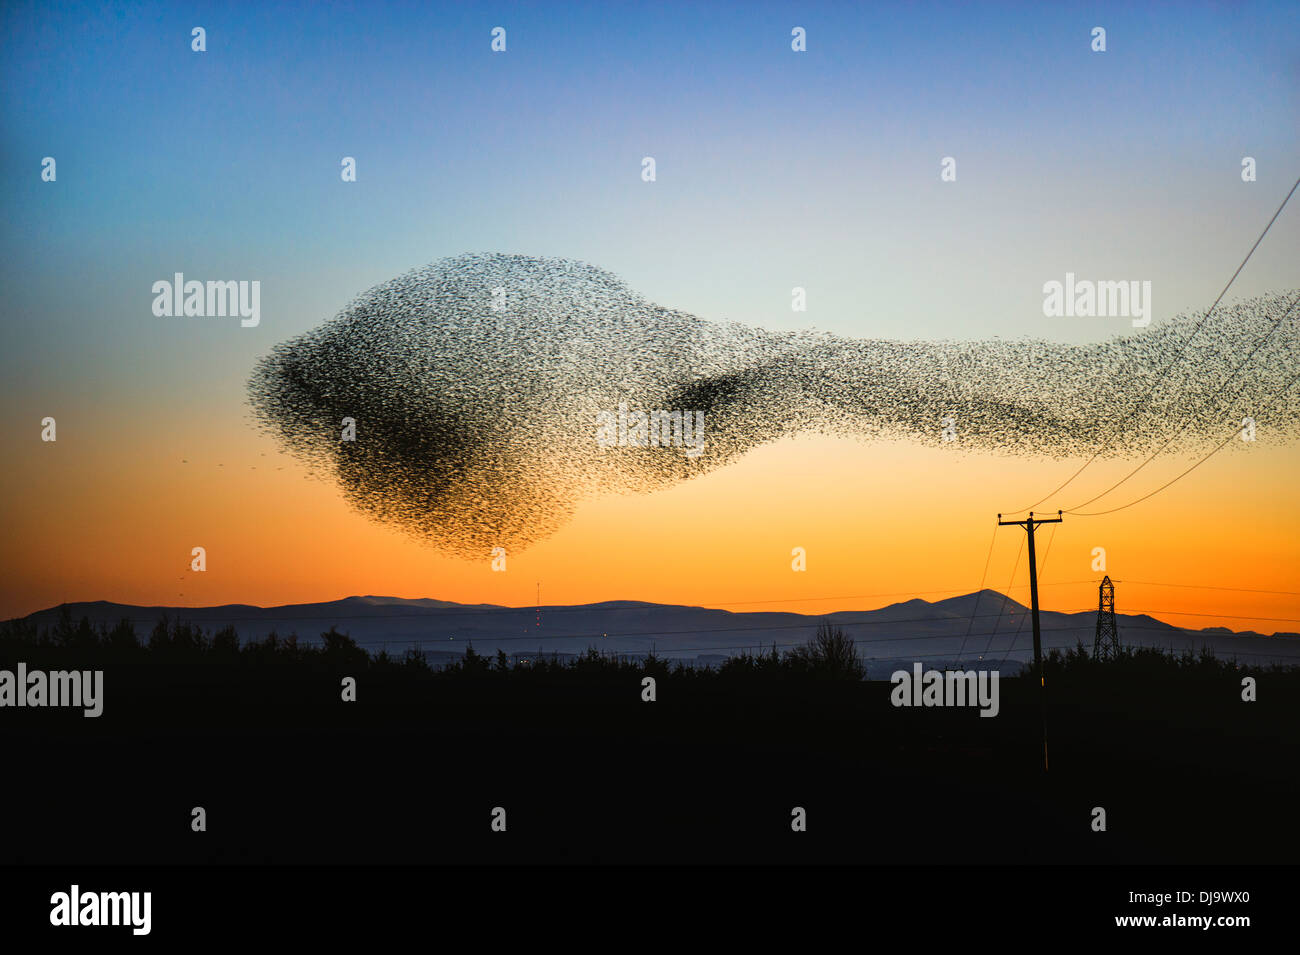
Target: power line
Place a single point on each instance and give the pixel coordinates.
(1182, 351)
(1190, 634)
(978, 593)
(1014, 567)
(1260, 344)
(1235, 653)
(1167, 629)
(588, 635)
(660, 634)
(1179, 477)
(1241, 590)
(672, 633)
(1202, 613)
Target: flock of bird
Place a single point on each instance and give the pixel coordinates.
(474, 385)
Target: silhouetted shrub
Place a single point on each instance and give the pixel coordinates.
(415, 661)
(226, 643)
(830, 653)
(122, 638)
(339, 649)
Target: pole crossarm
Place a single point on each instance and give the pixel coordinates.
(1032, 520)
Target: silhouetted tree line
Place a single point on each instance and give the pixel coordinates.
(829, 654)
(1078, 665)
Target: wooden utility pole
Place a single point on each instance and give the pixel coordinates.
(1029, 525)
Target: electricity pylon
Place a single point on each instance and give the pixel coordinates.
(1106, 646)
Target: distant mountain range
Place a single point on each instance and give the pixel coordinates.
(976, 628)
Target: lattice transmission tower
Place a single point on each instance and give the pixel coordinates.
(1106, 646)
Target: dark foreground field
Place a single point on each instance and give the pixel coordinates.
(587, 772)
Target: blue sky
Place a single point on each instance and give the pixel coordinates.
(775, 169)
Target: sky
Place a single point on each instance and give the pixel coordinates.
(774, 169)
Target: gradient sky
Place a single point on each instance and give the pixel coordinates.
(775, 169)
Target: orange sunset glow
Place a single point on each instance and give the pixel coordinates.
(880, 523)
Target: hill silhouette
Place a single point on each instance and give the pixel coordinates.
(960, 628)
